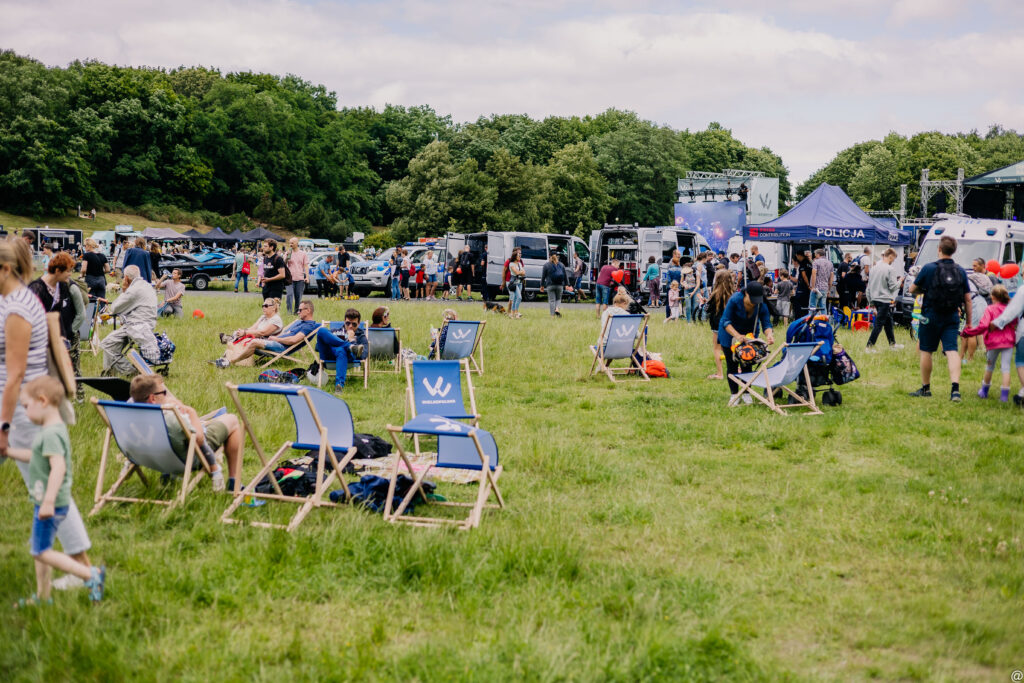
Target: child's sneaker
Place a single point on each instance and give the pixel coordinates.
(983, 392)
(68, 582)
(1004, 395)
(97, 583)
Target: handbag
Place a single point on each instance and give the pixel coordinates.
(246, 268)
(842, 368)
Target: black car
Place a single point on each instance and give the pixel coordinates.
(199, 271)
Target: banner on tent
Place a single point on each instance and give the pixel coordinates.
(716, 221)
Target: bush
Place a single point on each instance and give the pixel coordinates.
(380, 240)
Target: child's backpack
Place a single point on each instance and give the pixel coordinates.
(655, 368)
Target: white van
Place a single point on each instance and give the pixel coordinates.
(635, 245)
(987, 239)
(535, 248)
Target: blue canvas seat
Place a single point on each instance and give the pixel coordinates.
(459, 446)
(274, 356)
(624, 337)
(763, 382)
(381, 345)
(462, 339)
(140, 433)
(435, 387)
(323, 423)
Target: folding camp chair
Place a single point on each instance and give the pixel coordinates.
(462, 339)
(458, 446)
(87, 337)
(140, 432)
(624, 337)
(770, 378)
(144, 367)
(273, 356)
(381, 343)
(323, 423)
(435, 387)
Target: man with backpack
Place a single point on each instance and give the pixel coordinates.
(944, 285)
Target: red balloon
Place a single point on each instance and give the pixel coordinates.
(617, 276)
(992, 267)
(1009, 270)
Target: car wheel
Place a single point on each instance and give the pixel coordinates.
(361, 291)
(200, 282)
(530, 296)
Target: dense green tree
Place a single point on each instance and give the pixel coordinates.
(576, 191)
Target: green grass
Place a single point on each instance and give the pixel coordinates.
(651, 533)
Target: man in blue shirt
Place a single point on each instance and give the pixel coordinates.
(945, 289)
(138, 256)
(323, 275)
(291, 335)
(342, 346)
(744, 313)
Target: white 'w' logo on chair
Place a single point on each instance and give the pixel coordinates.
(459, 335)
(624, 332)
(436, 390)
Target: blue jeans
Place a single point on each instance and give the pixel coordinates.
(396, 288)
(333, 348)
(817, 300)
(244, 279)
(274, 347)
(515, 297)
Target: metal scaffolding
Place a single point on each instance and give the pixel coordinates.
(955, 189)
(706, 184)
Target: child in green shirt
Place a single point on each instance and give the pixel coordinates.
(49, 487)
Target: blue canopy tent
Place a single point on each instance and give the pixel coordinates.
(826, 216)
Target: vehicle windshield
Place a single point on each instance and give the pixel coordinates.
(966, 252)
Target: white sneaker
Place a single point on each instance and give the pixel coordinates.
(731, 404)
(870, 349)
(895, 347)
(747, 399)
(67, 582)
(218, 480)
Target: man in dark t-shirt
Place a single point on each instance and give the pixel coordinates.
(465, 278)
(273, 271)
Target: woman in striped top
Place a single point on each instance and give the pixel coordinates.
(23, 346)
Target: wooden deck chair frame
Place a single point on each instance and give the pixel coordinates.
(488, 484)
(306, 503)
(88, 331)
(369, 360)
(143, 366)
(278, 355)
(410, 397)
(475, 357)
(189, 479)
(747, 387)
(601, 364)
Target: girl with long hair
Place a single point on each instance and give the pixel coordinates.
(721, 290)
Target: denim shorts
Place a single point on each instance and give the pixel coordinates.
(44, 531)
(604, 294)
(940, 328)
(1019, 358)
(432, 278)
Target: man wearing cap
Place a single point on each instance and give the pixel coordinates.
(744, 314)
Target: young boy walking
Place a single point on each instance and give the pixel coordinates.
(49, 462)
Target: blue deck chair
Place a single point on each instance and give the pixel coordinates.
(435, 387)
(323, 423)
(274, 356)
(462, 339)
(88, 327)
(381, 343)
(144, 367)
(459, 446)
(624, 337)
(769, 378)
(140, 432)
(327, 365)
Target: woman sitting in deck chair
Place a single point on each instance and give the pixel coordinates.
(437, 337)
(291, 338)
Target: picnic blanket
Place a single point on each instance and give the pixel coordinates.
(382, 467)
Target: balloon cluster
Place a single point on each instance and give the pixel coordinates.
(1005, 270)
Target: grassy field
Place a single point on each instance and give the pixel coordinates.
(651, 533)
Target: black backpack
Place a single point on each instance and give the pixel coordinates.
(947, 290)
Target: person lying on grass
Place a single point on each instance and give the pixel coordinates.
(275, 343)
(49, 462)
(267, 324)
(211, 432)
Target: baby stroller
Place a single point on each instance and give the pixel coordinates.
(816, 328)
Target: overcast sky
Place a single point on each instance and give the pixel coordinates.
(807, 79)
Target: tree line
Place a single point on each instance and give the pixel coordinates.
(871, 172)
(232, 146)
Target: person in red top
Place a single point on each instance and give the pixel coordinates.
(604, 285)
(420, 286)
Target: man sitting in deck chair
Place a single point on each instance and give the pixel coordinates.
(223, 430)
(341, 347)
(290, 339)
(136, 307)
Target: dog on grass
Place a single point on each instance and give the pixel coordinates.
(495, 307)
